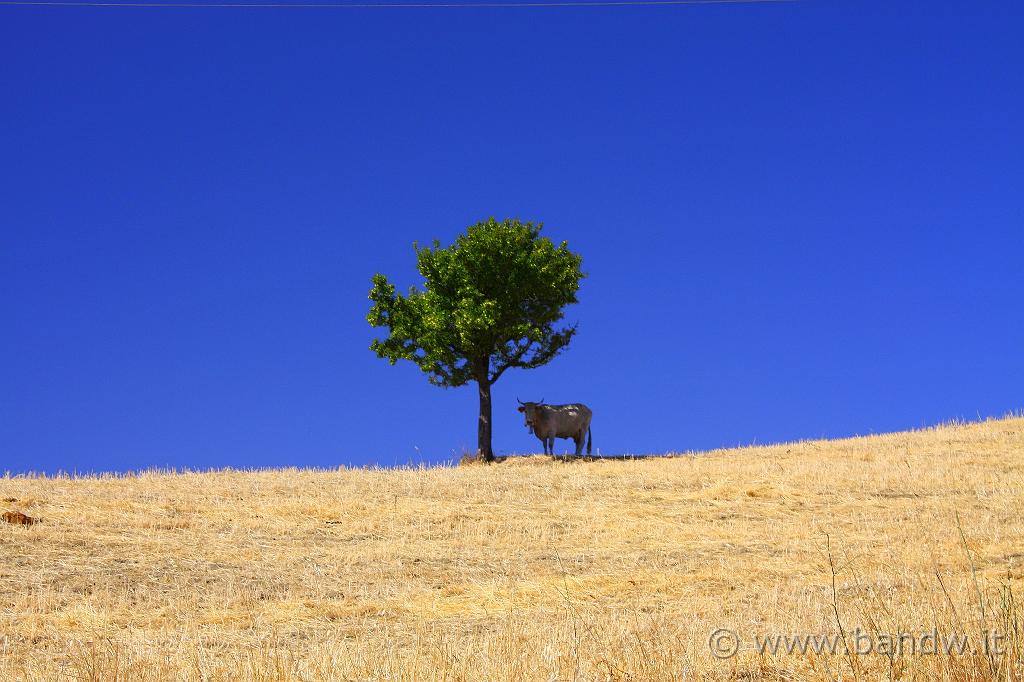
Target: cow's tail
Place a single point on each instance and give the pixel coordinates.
(589, 440)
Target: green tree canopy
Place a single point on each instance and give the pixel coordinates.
(490, 301)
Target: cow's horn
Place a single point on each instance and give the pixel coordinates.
(519, 401)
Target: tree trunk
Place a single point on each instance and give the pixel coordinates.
(483, 432)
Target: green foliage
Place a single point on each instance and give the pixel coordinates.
(490, 301)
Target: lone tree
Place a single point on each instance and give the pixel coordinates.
(490, 301)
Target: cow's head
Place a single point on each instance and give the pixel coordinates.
(529, 411)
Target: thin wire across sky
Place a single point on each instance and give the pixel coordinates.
(386, 5)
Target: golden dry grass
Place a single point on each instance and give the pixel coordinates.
(529, 569)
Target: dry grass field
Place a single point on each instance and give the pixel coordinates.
(529, 569)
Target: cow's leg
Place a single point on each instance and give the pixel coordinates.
(578, 439)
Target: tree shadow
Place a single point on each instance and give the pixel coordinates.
(583, 458)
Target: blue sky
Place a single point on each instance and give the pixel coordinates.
(798, 219)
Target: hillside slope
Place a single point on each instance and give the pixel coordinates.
(524, 570)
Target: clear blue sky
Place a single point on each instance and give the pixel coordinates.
(798, 220)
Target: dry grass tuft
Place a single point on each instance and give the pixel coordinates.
(612, 570)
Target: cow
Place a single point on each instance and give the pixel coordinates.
(548, 422)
